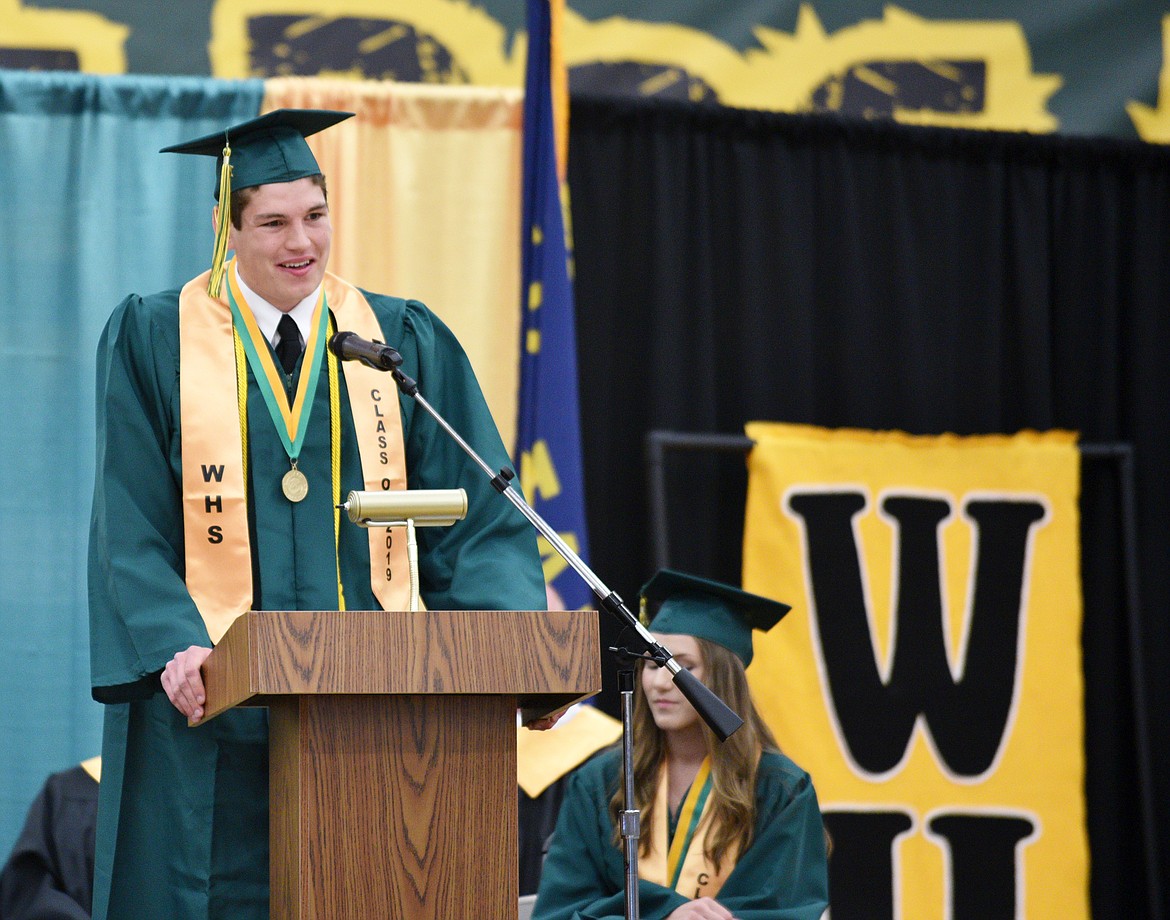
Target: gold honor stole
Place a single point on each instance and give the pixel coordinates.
(679, 862)
(214, 420)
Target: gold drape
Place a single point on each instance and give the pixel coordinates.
(424, 190)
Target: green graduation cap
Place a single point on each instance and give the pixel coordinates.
(694, 606)
(267, 149)
(260, 151)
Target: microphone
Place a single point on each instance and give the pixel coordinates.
(349, 346)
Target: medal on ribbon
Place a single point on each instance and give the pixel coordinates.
(292, 422)
(294, 484)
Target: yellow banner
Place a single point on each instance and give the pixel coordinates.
(929, 675)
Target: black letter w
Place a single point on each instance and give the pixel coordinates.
(966, 716)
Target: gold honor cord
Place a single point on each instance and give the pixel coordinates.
(242, 401)
(335, 457)
(291, 422)
(688, 821)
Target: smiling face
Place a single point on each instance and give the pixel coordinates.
(282, 243)
(669, 708)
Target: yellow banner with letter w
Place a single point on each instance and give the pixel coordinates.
(929, 675)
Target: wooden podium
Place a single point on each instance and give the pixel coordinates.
(392, 740)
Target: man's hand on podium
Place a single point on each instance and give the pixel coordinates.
(184, 684)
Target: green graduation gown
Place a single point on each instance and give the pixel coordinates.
(782, 876)
(183, 826)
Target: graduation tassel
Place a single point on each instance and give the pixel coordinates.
(222, 224)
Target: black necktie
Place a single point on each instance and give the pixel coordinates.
(288, 349)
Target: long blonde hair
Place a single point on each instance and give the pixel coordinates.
(734, 762)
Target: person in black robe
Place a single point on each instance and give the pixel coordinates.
(49, 874)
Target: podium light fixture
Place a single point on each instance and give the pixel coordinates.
(407, 508)
(426, 507)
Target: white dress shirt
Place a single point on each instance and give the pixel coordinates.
(268, 316)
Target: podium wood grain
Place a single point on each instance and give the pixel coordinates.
(393, 750)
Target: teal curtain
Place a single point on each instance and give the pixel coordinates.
(93, 212)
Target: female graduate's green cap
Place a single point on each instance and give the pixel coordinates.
(259, 151)
(694, 606)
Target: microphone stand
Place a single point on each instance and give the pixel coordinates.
(630, 819)
(712, 710)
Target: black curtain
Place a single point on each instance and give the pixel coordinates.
(733, 266)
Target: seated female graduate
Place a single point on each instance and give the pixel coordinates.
(729, 831)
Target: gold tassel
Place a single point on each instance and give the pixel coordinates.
(222, 224)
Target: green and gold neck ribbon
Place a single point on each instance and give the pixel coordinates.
(689, 817)
(292, 422)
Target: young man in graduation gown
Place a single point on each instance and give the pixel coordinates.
(704, 854)
(227, 433)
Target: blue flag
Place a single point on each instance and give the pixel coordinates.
(548, 436)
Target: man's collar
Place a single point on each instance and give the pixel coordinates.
(268, 316)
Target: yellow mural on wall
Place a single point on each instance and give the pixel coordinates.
(649, 58)
(39, 39)
(957, 73)
(971, 74)
(425, 41)
(1153, 124)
